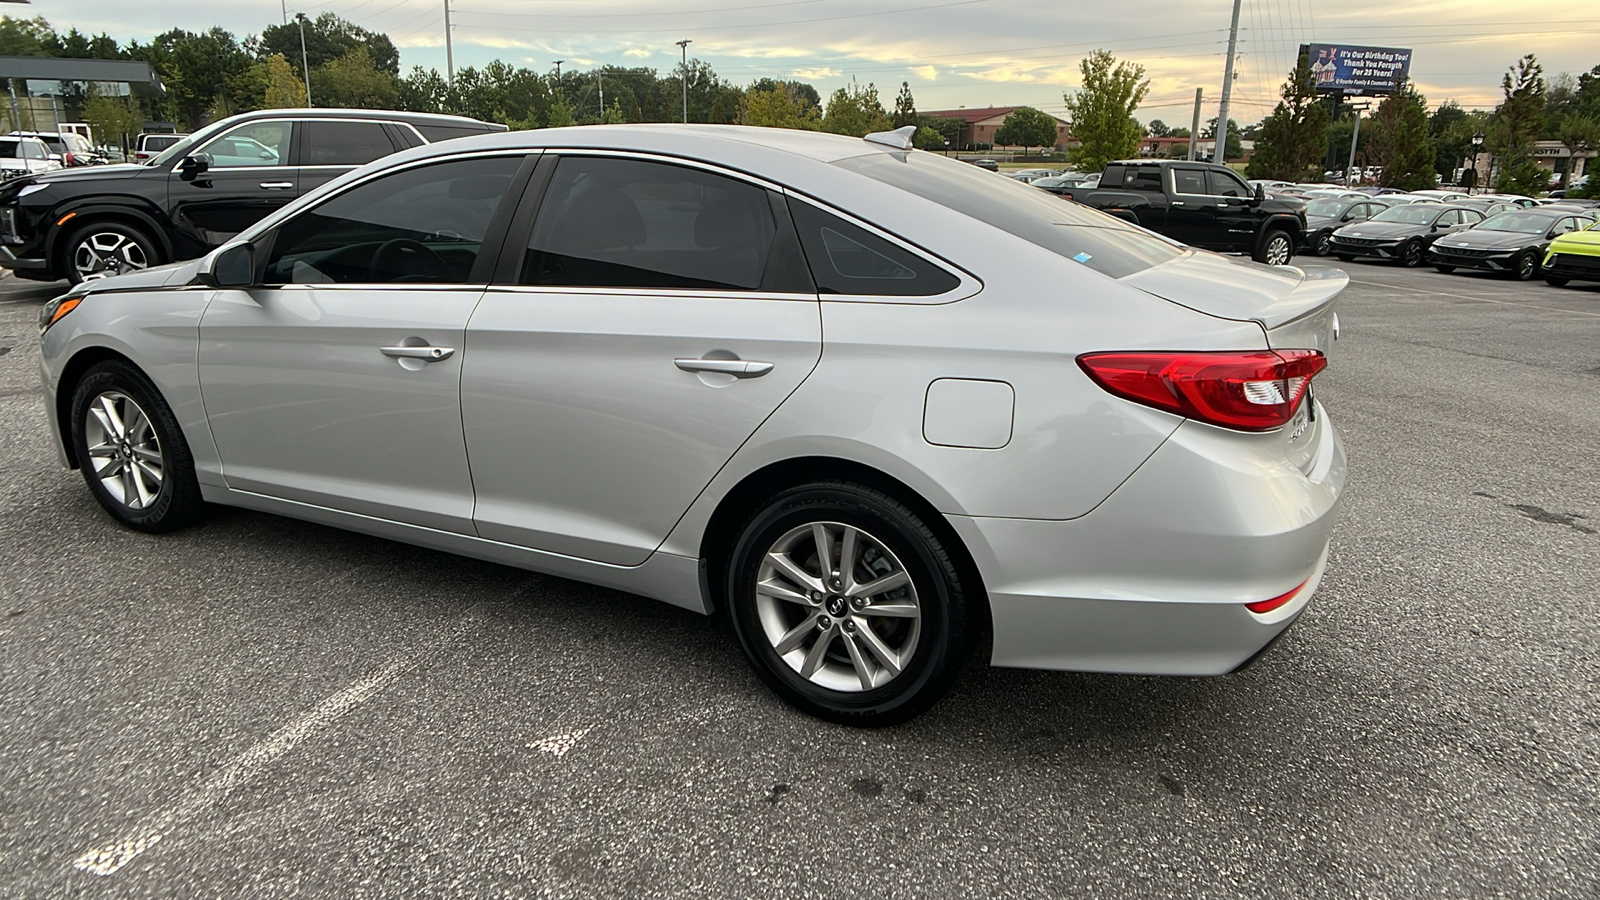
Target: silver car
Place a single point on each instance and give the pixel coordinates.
(871, 404)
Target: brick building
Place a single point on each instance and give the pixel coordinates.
(979, 125)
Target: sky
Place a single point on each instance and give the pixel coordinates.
(953, 53)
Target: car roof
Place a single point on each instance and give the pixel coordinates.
(689, 141)
(415, 118)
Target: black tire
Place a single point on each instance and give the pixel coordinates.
(1323, 245)
(1275, 248)
(1412, 255)
(137, 251)
(1345, 257)
(1445, 269)
(1526, 268)
(177, 503)
(1555, 281)
(941, 645)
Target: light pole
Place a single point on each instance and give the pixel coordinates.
(449, 48)
(684, 72)
(1477, 147)
(305, 65)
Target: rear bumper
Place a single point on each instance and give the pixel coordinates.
(1155, 580)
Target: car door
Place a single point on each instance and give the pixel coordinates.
(331, 147)
(1233, 209)
(1191, 216)
(337, 381)
(645, 322)
(247, 175)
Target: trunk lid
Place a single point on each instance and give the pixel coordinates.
(1293, 305)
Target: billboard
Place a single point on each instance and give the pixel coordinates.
(1338, 68)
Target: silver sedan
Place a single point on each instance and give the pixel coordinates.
(874, 406)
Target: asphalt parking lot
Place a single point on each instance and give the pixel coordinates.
(260, 707)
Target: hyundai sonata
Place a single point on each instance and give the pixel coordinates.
(869, 403)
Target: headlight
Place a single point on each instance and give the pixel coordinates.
(57, 309)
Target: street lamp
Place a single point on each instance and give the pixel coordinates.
(1477, 147)
(684, 46)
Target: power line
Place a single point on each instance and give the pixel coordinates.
(886, 12)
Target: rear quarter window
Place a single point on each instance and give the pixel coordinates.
(437, 133)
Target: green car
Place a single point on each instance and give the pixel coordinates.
(1574, 256)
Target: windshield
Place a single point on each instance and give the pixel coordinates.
(1519, 222)
(1325, 206)
(1105, 244)
(10, 149)
(1411, 214)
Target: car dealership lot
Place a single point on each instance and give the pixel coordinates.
(263, 707)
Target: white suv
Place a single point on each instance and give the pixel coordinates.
(21, 155)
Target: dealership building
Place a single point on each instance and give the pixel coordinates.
(979, 125)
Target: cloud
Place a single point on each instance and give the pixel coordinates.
(816, 73)
(636, 53)
(926, 73)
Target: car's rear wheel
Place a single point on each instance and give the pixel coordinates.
(103, 249)
(131, 450)
(847, 604)
(1527, 266)
(1275, 248)
(1411, 255)
(1553, 281)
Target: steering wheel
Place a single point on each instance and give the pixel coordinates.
(410, 261)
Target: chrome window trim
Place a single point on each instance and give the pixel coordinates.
(696, 293)
(967, 285)
(375, 286)
(667, 159)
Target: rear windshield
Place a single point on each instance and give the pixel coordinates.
(437, 133)
(1105, 244)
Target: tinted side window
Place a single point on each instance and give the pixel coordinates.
(1143, 179)
(846, 259)
(251, 144)
(423, 226)
(1189, 181)
(437, 133)
(1470, 216)
(344, 143)
(1220, 184)
(627, 223)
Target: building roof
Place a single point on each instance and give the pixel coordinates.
(45, 68)
(972, 115)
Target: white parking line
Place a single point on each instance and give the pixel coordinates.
(108, 858)
(1576, 312)
(559, 744)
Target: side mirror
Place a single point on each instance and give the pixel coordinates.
(231, 267)
(1261, 193)
(191, 166)
(55, 157)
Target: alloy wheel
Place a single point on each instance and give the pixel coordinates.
(1526, 267)
(1277, 250)
(123, 450)
(838, 606)
(1324, 244)
(106, 253)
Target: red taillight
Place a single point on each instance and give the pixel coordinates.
(1251, 390)
(1266, 606)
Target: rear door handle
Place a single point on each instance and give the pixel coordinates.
(738, 368)
(277, 185)
(426, 354)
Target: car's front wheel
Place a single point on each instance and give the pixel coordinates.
(1324, 244)
(103, 249)
(1527, 266)
(131, 450)
(847, 604)
(1412, 254)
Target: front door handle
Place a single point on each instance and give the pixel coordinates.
(426, 354)
(277, 185)
(738, 368)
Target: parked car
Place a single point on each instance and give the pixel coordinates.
(1403, 199)
(147, 147)
(1058, 184)
(1037, 173)
(199, 192)
(1324, 214)
(1486, 205)
(1518, 200)
(874, 406)
(1200, 204)
(1402, 234)
(1513, 242)
(20, 156)
(1574, 256)
(989, 164)
(68, 148)
(1442, 194)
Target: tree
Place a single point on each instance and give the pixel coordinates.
(856, 111)
(949, 128)
(928, 139)
(112, 119)
(283, 88)
(328, 38)
(1294, 139)
(1579, 134)
(1232, 147)
(1027, 127)
(800, 90)
(905, 108)
(1514, 128)
(780, 108)
(352, 80)
(197, 69)
(1102, 110)
(1399, 141)
(1158, 128)
(1179, 151)
(560, 115)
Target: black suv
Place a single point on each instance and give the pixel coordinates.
(198, 193)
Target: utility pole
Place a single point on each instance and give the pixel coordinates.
(305, 65)
(684, 73)
(1194, 127)
(601, 82)
(1220, 154)
(557, 90)
(449, 48)
(284, 5)
(1354, 133)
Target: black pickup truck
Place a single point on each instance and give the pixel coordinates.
(1200, 204)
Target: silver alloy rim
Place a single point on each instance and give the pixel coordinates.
(123, 449)
(1277, 250)
(1525, 268)
(107, 253)
(838, 606)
